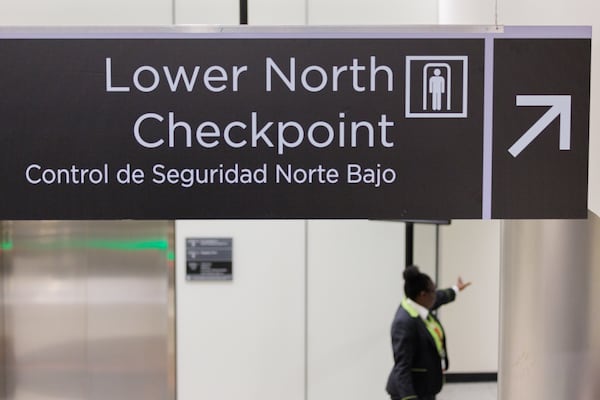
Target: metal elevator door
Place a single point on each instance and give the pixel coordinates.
(87, 310)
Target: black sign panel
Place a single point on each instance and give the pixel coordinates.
(541, 128)
(267, 126)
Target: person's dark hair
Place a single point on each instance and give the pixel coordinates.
(415, 282)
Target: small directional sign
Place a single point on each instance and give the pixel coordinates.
(209, 259)
(306, 123)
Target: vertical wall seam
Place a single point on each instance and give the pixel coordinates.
(496, 13)
(306, 8)
(501, 285)
(305, 309)
(172, 305)
(86, 316)
(305, 12)
(174, 12)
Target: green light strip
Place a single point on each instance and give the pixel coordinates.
(126, 245)
(102, 244)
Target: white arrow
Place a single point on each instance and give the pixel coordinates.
(560, 107)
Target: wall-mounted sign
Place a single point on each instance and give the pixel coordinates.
(331, 123)
(209, 259)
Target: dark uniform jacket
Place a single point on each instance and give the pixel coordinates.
(417, 363)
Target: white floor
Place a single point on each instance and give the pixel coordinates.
(469, 391)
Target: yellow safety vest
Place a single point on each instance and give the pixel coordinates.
(434, 328)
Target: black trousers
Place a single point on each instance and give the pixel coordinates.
(420, 398)
(427, 398)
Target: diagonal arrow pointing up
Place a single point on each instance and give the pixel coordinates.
(560, 106)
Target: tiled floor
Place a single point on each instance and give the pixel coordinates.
(469, 391)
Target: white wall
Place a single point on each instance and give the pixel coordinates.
(246, 338)
(83, 12)
(469, 12)
(280, 12)
(374, 12)
(354, 287)
(216, 12)
(471, 249)
(342, 12)
(243, 339)
(349, 275)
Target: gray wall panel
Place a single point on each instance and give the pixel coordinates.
(548, 318)
(45, 311)
(88, 312)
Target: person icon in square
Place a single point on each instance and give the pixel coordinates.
(437, 86)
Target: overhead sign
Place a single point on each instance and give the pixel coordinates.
(346, 123)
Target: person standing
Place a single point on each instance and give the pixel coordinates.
(418, 339)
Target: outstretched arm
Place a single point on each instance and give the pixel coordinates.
(445, 296)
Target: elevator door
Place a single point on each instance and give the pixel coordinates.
(87, 310)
